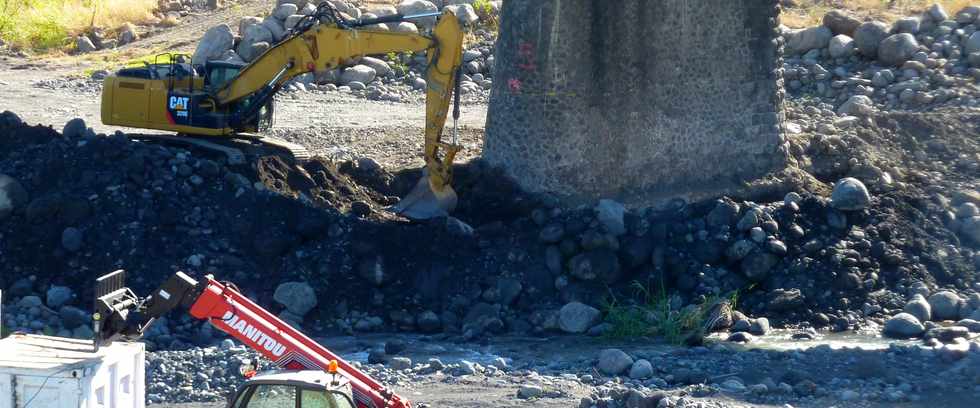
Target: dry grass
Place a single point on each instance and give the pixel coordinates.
(809, 13)
(48, 24)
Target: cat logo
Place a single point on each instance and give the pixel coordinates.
(179, 104)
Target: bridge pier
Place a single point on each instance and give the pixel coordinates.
(636, 100)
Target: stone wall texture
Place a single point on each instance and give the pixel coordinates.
(636, 100)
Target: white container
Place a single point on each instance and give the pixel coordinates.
(54, 372)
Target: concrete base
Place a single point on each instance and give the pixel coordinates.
(636, 100)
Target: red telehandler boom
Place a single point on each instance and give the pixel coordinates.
(122, 315)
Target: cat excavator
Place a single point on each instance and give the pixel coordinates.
(221, 101)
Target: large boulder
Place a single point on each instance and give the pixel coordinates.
(903, 326)
(897, 49)
(970, 227)
(284, 11)
(840, 22)
(127, 34)
(967, 14)
(937, 13)
(298, 297)
(231, 56)
(464, 12)
(74, 128)
(801, 41)
(404, 27)
(641, 370)
(611, 216)
(291, 21)
(409, 7)
(255, 33)
(358, 73)
(614, 361)
(275, 27)
(215, 42)
(247, 21)
(13, 196)
(58, 296)
(850, 194)
(249, 51)
(972, 44)
(9, 119)
(756, 265)
(84, 44)
(72, 239)
(380, 67)
(945, 305)
(868, 36)
(909, 25)
(842, 46)
(347, 8)
(383, 11)
(601, 264)
(857, 105)
(919, 308)
(577, 317)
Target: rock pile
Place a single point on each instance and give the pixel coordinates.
(262, 224)
(396, 76)
(98, 39)
(832, 256)
(919, 62)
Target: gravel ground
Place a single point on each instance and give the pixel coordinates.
(831, 371)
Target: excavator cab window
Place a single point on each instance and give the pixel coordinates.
(220, 73)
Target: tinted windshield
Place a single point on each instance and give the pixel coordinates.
(219, 76)
(322, 399)
(273, 396)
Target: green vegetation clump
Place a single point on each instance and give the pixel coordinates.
(484, 9)
(43, 25)
(654, 315)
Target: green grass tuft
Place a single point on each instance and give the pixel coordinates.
(653, 315)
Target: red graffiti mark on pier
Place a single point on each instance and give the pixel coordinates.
(528, 61)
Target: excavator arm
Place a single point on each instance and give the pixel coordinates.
(324, 41)
(120, 314)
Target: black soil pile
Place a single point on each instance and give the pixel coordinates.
(507, 261)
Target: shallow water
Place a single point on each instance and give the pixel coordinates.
(782, 340)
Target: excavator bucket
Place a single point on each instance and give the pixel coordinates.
(426, 201)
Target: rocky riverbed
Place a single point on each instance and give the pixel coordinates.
(872, 229)
(566, 371)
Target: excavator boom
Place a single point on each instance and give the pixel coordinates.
(119, 314)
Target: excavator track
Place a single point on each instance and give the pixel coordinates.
(236, 148)
(297, 152)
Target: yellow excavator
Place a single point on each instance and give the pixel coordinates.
(223, 100)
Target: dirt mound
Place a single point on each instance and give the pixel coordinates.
(506, 261)
(104, 203)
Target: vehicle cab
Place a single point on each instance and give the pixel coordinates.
(294, 389)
